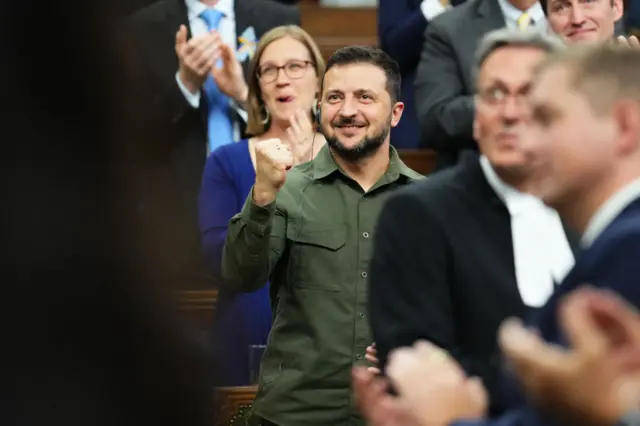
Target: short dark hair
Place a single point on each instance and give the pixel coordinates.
(369, 55)
(545, 5)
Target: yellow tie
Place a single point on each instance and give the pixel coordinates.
(523, 22)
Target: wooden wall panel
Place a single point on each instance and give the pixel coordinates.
(336, 27)
(233, 405)
(198, 306)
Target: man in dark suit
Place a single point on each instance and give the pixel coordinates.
(586, 109)
(458, 253)
(445, 82)
(171, 99)
(401, 26)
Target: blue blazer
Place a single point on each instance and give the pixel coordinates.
(241, 319)
(401, 27)
(611, 262)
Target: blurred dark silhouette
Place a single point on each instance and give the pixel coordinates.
(89, 333)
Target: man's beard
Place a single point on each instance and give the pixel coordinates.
(368, 146)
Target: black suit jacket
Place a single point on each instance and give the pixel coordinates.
(443, 270)
(178, 130)
(444, 82)
(401, 26)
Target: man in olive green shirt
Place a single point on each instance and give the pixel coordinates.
(309, 231)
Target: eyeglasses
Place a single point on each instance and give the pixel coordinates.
(496, 96)
(293, 69)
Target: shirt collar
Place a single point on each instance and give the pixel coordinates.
(195, 8)
(609, 211)
(512, 13)
(515, 200)
(324, 164)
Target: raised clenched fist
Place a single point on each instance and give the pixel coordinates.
(273, 159)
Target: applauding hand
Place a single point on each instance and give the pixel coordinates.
(195, 58)
(302, 137)
(229, 77)
(372, 356)
(434, 387)
(628, 41)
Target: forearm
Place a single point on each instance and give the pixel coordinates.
(246, 254)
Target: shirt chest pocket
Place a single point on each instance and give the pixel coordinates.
(317, 257)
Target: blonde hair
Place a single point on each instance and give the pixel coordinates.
(257, 122)
(604, 73)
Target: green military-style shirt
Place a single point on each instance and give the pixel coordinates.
(314, 245)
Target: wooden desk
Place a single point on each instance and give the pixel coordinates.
(422, 161)
(233, 405)
(198, 306)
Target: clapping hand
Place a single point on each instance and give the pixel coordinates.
(631, 41)
(195, 57)
(301, 135)
(597, 380)
(376, 404)
(434, 387)
(229, 77)
(372, 356)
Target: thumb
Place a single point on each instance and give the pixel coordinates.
(227, 50)
(477, 394)
(226, 53)
(522, 346)
(181, 36)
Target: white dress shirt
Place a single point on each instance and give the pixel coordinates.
(542, 255)
(432, 8)
(227, 30)
(609, 211)
(512, 13)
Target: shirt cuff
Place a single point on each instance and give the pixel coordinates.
(192, 98)
(258, 218)
(432, 8)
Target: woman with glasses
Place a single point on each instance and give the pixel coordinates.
(284, 85)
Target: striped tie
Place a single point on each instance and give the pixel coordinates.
(524, 21)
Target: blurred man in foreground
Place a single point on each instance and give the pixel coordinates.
(458, 253)
(586, 137)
